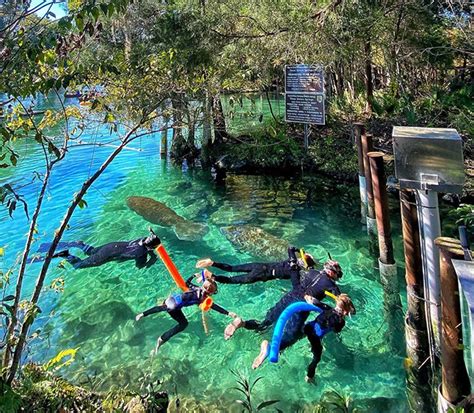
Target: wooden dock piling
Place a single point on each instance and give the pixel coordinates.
(455, 385)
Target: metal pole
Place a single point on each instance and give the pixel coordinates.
(430, 229)
(367, 146)
(416, 335)
(359, 129)
(455, 385)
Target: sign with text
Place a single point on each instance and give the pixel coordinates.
(305, 108)
(304, 94)
(304, 79)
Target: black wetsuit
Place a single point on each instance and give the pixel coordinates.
(174, 303)
(113, 251)
(328, 320)
(313, 283)
(256, 271)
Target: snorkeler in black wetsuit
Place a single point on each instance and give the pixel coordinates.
(256, 271)
(331, 319)
(174, 303)
(314, 284)
(140, 250)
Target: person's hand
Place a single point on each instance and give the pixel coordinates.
(139, 316)
(309, 299)
(208, 275)
(233, 315)
(205, 262)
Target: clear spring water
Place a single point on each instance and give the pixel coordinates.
(95, 313)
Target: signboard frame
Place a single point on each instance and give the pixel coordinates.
(295, 93)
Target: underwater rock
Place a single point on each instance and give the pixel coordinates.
(257, 242)
(158, 213)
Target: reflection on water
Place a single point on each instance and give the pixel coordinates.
(96, 311)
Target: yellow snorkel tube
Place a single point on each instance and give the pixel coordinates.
(303, 258)
(330, 295)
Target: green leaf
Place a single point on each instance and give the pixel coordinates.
(80, 22)
(8, 298)
(95, 12)
(9, 308)
(14, 159)
(56, 361)
(266, 404)
(111, 9)
(82, 204)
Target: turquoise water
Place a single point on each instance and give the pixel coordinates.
(95, 313)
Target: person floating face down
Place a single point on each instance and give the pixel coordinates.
(330, 319)
(174, 303)
(260, 272)
(315, 284)
(140, 250)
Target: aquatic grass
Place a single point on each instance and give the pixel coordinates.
(246, 386)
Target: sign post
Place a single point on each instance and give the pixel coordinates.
(304, 96)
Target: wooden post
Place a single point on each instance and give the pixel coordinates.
(381, 207)
(387, 266)
(455, 385)
(416, 335)
(359, 129)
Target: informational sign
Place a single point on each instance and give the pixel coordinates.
(304, 79)
(304, 94)
(305, 108)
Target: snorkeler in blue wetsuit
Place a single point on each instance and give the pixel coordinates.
(140, 250)
(330, 319)
(311, 283)
(173, 304)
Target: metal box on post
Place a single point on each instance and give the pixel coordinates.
(428, 158)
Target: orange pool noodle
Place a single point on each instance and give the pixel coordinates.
(178, 279)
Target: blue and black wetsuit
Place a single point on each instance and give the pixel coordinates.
(328, 320)
(257, 271)
(113, 251)
(174, 303)
(313, 283)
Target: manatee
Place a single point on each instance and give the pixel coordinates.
(158, 213)
(257, 242)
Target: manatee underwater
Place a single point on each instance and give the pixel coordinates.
(158, 213)
(257, 242)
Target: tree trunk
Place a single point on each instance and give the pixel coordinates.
(21, 271)
(30, 315)
(220, 132)
(369, 78)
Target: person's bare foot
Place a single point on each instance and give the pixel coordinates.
(159, 343)
(262, 356)
(203, 263)
(232, 327)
